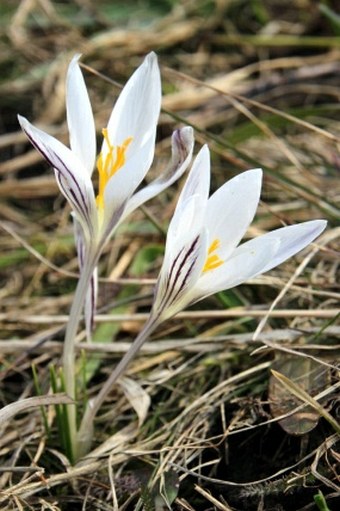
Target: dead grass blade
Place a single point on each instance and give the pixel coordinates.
(9, 411)
(301, 394)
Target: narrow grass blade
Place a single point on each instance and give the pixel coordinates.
(38, 391)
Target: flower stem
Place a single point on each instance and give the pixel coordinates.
(84, 436)
(69, 348)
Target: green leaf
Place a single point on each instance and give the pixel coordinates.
(145, 259)
(169, 489)
(320, 501)
(332, 16)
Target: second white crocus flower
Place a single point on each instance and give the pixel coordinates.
(203, 255)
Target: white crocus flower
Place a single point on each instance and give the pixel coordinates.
(126, 155)
(203, 255)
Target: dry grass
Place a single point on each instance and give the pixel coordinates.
(211, 432)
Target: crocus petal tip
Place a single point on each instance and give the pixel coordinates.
(313, 228)
(151, 56)
(74, 63)
(22, 120)
(151, 61)
(204, 155)
(258, 170)
(186, 132)
(183, 139)
(24, 124)
(257, 173)
(76, 57)
(318, 226)
(252, 177)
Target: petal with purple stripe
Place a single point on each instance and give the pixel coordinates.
(73, 180)
(178, 276)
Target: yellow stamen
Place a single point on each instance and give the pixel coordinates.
(214, 246)
(213, 260)
(108, 166)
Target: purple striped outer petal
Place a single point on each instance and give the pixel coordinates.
(73, 180)
(178, 276)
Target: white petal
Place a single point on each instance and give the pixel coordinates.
(135, 115)
(291, 240)
(258, 256)
(123, 183)
(190, 213)
(180, 271)
(188, 224)
(231, 209)
(248, 260)
(73, 180)
(136, 111)
(198, 181)
(80, 117)
(182, 147)
(119, 189)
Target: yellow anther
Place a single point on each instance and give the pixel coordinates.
(214, 246)
(213, 260)
(107, 166)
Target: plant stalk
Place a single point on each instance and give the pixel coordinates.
(69, 347)
(84, 436)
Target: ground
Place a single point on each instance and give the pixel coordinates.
(207, 424)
